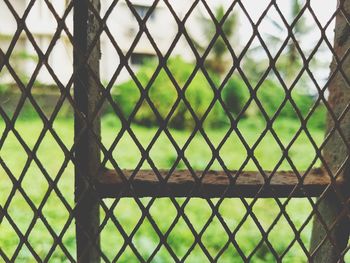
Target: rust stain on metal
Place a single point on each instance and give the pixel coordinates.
(214, 184)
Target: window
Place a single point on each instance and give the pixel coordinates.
(139, 59)
(142, 11)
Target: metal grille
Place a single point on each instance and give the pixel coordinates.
(182, 211)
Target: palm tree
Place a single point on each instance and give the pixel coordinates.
(218, 59)
(290, 62)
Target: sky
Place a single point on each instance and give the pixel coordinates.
(323, 10)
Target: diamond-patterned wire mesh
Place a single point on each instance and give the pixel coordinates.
(38, 153)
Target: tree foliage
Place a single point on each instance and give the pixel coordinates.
(217, 61)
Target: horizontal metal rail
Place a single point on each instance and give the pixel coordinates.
(215, 184)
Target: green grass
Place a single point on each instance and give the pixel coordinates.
(127, 212)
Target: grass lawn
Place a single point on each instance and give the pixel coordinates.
(163, 211)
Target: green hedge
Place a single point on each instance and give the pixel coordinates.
(270, 95)
(163, 94)
(199, 95)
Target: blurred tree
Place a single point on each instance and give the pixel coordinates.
(217, 61)
(290, 62)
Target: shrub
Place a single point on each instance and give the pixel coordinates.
(318, 118)
(270, 95)
(163, 95)
(199, 95)
(235, 94)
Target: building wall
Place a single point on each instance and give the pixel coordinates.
(122, 26)
(163, 28)
(42, 26)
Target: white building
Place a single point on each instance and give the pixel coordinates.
(121, 23)
(123, 27)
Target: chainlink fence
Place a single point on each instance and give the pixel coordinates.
(143, 131)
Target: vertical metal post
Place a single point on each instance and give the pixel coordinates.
(87, 153)
(335, 152)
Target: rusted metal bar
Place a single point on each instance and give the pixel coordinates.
(87, 153)
(329, 248)
(214, 184)
(2, 59)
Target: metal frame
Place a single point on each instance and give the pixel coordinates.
(93, 182)
(87, 153)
